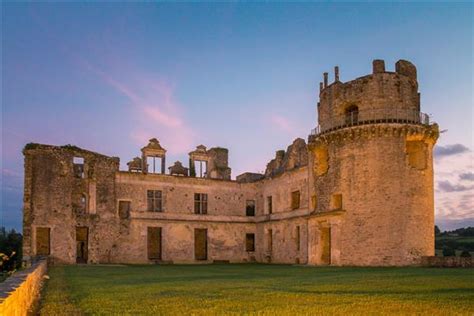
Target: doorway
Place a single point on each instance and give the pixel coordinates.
(325, 245)
(154, 243)
(200, 244)
(82, 237)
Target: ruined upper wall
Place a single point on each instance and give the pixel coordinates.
(295, 156)
(381, 93)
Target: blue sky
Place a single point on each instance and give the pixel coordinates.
(107, 77)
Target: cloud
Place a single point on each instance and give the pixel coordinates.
(468, 176)
(450, 150)
(154, 103)
(281, 123)
(446, 186)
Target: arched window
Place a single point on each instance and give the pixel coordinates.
(352, 115)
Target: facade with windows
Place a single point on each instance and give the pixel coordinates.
(360, 192)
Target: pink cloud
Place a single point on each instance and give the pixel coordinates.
(281, 123)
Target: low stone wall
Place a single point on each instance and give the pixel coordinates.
(20, 292)
(448, 262)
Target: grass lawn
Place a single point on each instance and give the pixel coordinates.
(256, 289)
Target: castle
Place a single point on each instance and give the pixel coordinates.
(359, 192)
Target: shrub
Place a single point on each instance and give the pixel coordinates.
(465, 254)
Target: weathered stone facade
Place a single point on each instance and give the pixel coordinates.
(359, 193)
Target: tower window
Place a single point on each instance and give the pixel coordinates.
(352, 115)
(336, 202)
(78, 167)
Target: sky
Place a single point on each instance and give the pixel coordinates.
(107, 77)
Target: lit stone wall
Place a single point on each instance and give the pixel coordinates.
(19, 293)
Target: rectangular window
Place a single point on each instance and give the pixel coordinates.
(249, 242)
(298, 238)
(250, 208)
(78, 167)
(336, 202)
(314, 202)
(269, 204)
(295, 200)
(124, 209)
(154, 201)
(200, 203)
(154, 243)
(43, 241)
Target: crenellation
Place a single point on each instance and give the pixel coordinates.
(359, 193)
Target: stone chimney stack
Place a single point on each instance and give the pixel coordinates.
(320, 86)
(336, 74)
(325, 79)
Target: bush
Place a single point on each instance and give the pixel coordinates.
(465, 254)
(449, 252)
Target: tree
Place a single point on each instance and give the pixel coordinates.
(10, 249)
(449, 252)
(437, 230)
(465, 254)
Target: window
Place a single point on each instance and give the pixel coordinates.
(270, 240)
(124, 209)
(336, 201)
(82, 206)
(298, 238)
(352, 115)
(154, 201)
(314, 202)
(269, 204)
(295, 200)
(201, 168)
(250, 242)
(78, 167)
(200, 203)
(250, 208)
(155, 164)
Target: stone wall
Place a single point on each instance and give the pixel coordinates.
(447, 262)
(19, 293)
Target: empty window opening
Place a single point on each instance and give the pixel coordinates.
(82, 207)
(250, 208)
(124, 209)
(43, 246)
(78, 167)
(250, 242)
(154, 201)
(352, 115)
(336, 202)
(154, 164)
(295, 200)
(269, 204)
(200, 203)
(201, 168)
(314, 203)
(269, 240)
(154, 243)
(297, 238)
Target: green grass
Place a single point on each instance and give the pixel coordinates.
(256, 289)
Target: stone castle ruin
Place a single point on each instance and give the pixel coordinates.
(359, 192)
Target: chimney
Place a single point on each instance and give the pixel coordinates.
(325, 79)
(336, 74)
(320, 86)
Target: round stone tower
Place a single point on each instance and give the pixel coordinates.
(372, 171)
